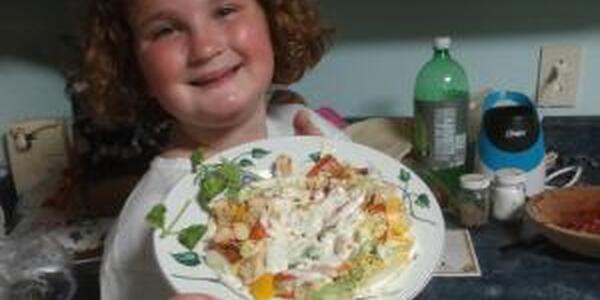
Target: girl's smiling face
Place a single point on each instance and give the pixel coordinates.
(208, 62)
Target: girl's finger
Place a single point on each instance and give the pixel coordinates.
(303, 125)
(193, 297)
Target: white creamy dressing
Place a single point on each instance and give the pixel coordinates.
(310, 233)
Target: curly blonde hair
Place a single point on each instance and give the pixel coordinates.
(114, 92)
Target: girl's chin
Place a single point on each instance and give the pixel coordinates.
(224, 119)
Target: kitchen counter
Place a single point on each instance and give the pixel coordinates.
(577, 142)
(515, 262)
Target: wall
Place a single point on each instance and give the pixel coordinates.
(380, 48)
(380, 45)
(35, 51)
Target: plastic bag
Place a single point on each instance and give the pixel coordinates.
(35, 267)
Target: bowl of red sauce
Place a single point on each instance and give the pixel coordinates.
(569, 217)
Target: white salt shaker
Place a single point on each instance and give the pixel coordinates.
(508, 194)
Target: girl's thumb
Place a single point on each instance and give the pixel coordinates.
(192, 297)
(303, 125)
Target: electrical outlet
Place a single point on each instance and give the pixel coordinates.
(558, 80)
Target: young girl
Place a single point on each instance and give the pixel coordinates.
(208, 68)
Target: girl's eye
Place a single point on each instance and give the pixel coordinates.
(226, 10)
(162, 31)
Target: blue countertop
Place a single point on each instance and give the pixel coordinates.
(513, 268)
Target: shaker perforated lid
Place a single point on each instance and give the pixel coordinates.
(442, 42)
(510, 176)
(474, 181)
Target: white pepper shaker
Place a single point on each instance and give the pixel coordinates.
(508, 194)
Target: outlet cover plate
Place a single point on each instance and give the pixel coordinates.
(558, 80)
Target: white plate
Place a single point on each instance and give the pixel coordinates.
(426, 216)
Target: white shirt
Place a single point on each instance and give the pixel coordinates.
(129, 270)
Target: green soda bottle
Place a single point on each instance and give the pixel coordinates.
(441, 108)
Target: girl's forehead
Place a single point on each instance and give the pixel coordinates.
(145, 4)
(138, 7)
(138, 10)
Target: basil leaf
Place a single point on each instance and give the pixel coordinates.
(190, 259)
(203, 202)
(230, 171)
(233, 176)
(196, 159)
(190, 236)
(156, 216)
(211, 185)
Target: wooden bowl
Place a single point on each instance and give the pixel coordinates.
(551, 208)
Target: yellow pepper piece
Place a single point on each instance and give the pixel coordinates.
(263, 287)
(395, 215)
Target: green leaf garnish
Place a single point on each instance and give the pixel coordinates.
(189, 258)
(233, 177)
(156, 216)
(190, 236)
(196, 159)
(218, 178)
(213, 180)
(212, 184)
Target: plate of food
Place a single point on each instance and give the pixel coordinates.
(299, 218)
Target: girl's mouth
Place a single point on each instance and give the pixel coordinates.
(215, 78)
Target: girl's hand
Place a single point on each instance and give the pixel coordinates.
(303, 125)
(193, 297)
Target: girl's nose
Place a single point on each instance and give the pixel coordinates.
(205, 45)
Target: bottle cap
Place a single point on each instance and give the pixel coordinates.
(474, 181)
(510, 176)
(442, 42)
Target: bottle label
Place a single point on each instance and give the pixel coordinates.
(443, 130)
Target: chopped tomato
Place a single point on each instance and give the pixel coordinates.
(231, 251)
(286, 295)
(376, 208)
(282, 276)
(258, 231)
(284, 285)
(327, 163)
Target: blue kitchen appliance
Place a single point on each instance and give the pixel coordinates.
(511, 136)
